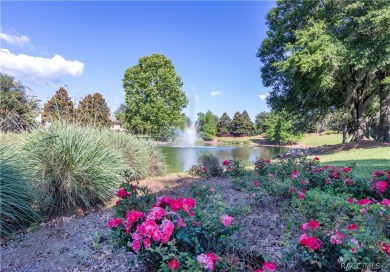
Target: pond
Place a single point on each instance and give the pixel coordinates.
(181, 159)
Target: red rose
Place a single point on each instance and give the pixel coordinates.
(364, 201)
(352, 227)
(313, 224)
(381, 186)
(122, 192)
(173, 264)
(269, 266)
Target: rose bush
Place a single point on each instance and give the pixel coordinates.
(172, 234)
(350, 232)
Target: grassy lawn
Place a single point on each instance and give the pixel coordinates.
(319, 140)
(239, 140)
(367, 160)
(308, 139)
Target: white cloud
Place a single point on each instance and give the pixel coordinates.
(13, 39)
(215, 93)
(263, 96)
(38, 68)
(196, 97)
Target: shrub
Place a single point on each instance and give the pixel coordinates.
(233, 168)
(380, 184)
(281, 129)
(209, 166)
(15, 195)
(203, 192)
(73, 166)
(323, 206)
(352, 245)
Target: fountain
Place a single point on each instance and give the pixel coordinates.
(187, 147)
(188, 137)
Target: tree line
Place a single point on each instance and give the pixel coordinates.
(210, 125)
(19, 111)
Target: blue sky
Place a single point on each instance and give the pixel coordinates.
(87, 46)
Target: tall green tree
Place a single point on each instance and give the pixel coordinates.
(120, 114)
(224, 125)
(153, 95)
(249, 126)
(238, 124)
(281, 128)
(17, 110)
(59, 107)
(207, 125)
(93, 110)
(261, 121)
(321, 55)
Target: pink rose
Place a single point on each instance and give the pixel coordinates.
(226, 220)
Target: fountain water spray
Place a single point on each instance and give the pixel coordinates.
(188, 137)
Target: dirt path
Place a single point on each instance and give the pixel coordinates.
(80, 243)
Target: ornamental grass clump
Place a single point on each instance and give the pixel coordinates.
(16, 196)
(73, 167)
(141, 156)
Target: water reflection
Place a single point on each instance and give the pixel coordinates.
(182, 158)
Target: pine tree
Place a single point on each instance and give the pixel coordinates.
(249, 126)
(59, 107)
(238, 125)
(224, 126)
(93, 110)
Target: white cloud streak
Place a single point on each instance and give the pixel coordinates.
(38, 69)
(215, 93)
(15, 40)
(263, 96)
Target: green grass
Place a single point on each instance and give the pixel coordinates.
(319, 140)
(367, 160)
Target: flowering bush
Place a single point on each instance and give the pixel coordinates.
(361, 239)
(198, 170)
(261, 166)
(174, 235)
(202, 191)
(323, 206)
(210, 167)
(351, 232)
(233, 168)
(132, 196)
(380, 183)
